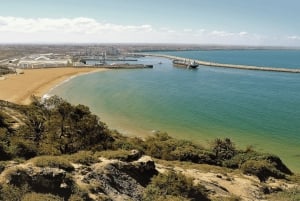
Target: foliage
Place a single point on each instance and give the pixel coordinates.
(4, 153)
(223, 149)
(231, 198)
(56, 127)
(39, 196)
(287, 195)
(83, 157)
(12, 193)
(263, 169)
(79, 194)
(114, 154)
(258, 164)
(127, 143)
(162, 146)
(3, 123)
(53, 161)
(22, 148)
(2, 166)
(163, 186)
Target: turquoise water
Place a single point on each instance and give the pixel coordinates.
(272, 58)
(251, 107)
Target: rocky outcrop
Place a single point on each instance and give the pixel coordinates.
(120, 180)
(116, 180)
(42, 180)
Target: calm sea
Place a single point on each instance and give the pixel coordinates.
(255, 108)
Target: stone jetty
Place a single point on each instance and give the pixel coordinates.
(206, 63)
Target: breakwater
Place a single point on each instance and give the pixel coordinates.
(222, 65)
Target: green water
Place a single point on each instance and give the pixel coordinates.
(251, 107)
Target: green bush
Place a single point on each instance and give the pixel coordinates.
(54, 162)
(23, 148)
(231, 198)
(12, 193)
(287, 195)
(263, 169)
(172, 184)
(240, 158)
(223, 149)
(162, 146)
(4, 153)
(171, 198)
(114, 154)
(83, 157)
(42, 197)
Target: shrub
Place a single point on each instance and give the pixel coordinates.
(54, 162)
(263, 169)
(258, 164)
(12, 193)
(23, 148)
(240, 158)
(83, 157)
(4, 153)
(231, 198)
(120, 154)
(40, 196)
(172, 184)
(223, 149)
(162, 146)
(287, 195)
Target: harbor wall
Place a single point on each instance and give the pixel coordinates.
(205, 63)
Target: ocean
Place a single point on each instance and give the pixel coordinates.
(256, 108)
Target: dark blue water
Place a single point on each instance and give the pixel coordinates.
(251, 107)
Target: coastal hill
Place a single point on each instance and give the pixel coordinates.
(52, 150)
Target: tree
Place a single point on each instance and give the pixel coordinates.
(74, 128)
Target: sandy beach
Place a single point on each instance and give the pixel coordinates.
(19, 88)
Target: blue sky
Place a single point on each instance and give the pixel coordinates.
(229, 22)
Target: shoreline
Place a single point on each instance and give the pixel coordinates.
(19, 88)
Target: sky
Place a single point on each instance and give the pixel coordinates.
(223, 22)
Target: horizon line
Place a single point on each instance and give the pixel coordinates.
(158, 43)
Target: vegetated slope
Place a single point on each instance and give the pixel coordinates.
(52, 150)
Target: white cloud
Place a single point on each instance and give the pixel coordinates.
(243, 33)
(82, 29)
(187, 30)
(221, 33)
(294, 37)
(66, 25)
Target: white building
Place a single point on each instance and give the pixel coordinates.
(43, 61)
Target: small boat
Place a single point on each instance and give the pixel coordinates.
(148, 66)
(160, 62)
(184, 63)
(193, 64)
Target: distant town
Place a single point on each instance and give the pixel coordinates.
(14, 57)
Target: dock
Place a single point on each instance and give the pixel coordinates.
(118, 66)
(221, 65)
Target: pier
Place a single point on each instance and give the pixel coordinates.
(118, 66)
(221, 65)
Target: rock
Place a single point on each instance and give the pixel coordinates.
(121, 180)
(42, 180)
(115, 183)
(134, 155)
(141, 170)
